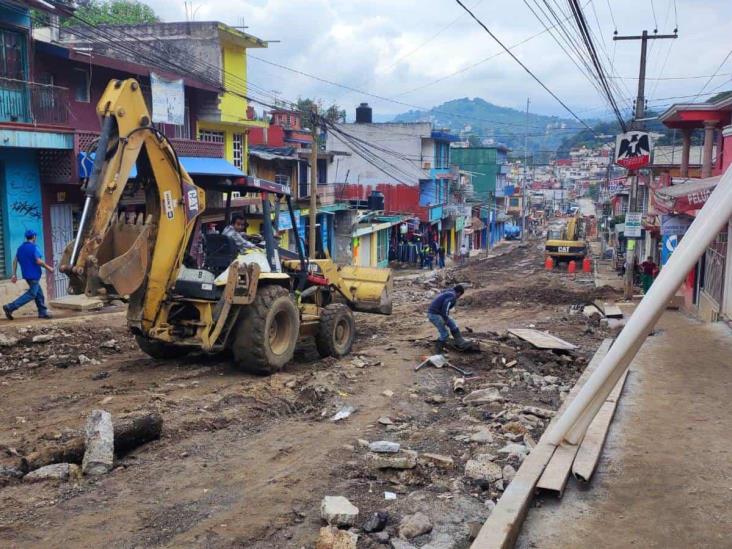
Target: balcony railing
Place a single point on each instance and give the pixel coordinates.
(30, 103)
(326, 193)
(183, 147)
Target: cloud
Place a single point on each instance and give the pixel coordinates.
(390, 46)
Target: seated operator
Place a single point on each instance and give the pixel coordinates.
(236, 231)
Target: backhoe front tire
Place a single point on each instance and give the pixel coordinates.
(267, 332)
(159, 349)
(336, 331)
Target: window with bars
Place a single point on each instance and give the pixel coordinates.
(12, 55)
(238, 147)
(210, 136)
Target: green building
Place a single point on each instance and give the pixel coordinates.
(488, 166)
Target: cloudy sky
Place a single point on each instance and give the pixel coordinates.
(398, 49)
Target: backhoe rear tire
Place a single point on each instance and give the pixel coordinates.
(336, 331)
(159, 349)
(267, 332)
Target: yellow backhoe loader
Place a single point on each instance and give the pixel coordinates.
(569, 242)
(190, 290)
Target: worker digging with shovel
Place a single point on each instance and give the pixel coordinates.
(439, 315)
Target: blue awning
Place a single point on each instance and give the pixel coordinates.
(206, 165)
(194, 165)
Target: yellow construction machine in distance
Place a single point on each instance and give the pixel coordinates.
(191, 290)
(568, 242)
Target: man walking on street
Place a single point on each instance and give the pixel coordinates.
(439, 315)
(29, 257)
(441, 257)
(463, 254)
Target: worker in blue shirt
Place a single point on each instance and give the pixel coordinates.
(29, 257)
(439, 315)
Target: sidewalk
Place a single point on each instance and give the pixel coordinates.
(665, 476)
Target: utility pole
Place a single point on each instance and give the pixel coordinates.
(526, 173)
(312, 235)
(637, 124)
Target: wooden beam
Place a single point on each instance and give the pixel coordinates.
(502, 527)
(589, 451)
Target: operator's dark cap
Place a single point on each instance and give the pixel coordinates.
(459, 289)
(30, 233)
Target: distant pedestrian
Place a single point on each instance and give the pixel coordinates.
(29, 257)
(649, 269)
(429, 257)
(464, 254)
(441, 257)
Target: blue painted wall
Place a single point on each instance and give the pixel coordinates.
(15, 15)
(20, 198)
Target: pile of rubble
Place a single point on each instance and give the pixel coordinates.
(59, 346)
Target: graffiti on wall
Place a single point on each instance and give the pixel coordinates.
(26, 209)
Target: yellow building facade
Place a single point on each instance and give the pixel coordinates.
(230, 125)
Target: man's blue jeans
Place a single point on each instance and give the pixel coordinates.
(442, 325)
(34, 292)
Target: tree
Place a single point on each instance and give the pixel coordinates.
(333, 114)
(112, 12)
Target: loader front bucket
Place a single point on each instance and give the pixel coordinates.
(369, 288)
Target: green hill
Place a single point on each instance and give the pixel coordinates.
(479, 120)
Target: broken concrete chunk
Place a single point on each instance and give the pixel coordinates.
(483, 396)
(99, 444)
(384, 447)
(333, 538)
(539, 412)
(385, 420)
(7, 341)
(414, 525)
(483, 435)
(483, 468)
(508, 473)
(57, 471)
(42, 338)
(397, 543)
(518, 449)
(338, 511)
(405, 459)
(438, 460)
(109, 344)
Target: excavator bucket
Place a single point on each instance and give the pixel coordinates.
(126, 272)
(369, 288)
(122, 257)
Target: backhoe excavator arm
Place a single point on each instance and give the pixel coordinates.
(98, 261)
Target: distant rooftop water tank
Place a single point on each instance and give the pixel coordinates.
(363, 114)
(376, 201)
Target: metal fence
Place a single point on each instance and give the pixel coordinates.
(31, 103)
(714, 260)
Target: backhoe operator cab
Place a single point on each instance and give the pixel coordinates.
(191, 289)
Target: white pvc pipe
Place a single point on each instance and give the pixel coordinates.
(712, 218)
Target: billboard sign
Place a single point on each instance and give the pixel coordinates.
(633, 150)
(168, 100)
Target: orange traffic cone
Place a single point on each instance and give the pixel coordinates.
(572, 268)
(586, 265)
(548, 263)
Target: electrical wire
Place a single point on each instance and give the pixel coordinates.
(487, 30)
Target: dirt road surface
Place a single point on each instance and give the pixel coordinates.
(245, 461)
